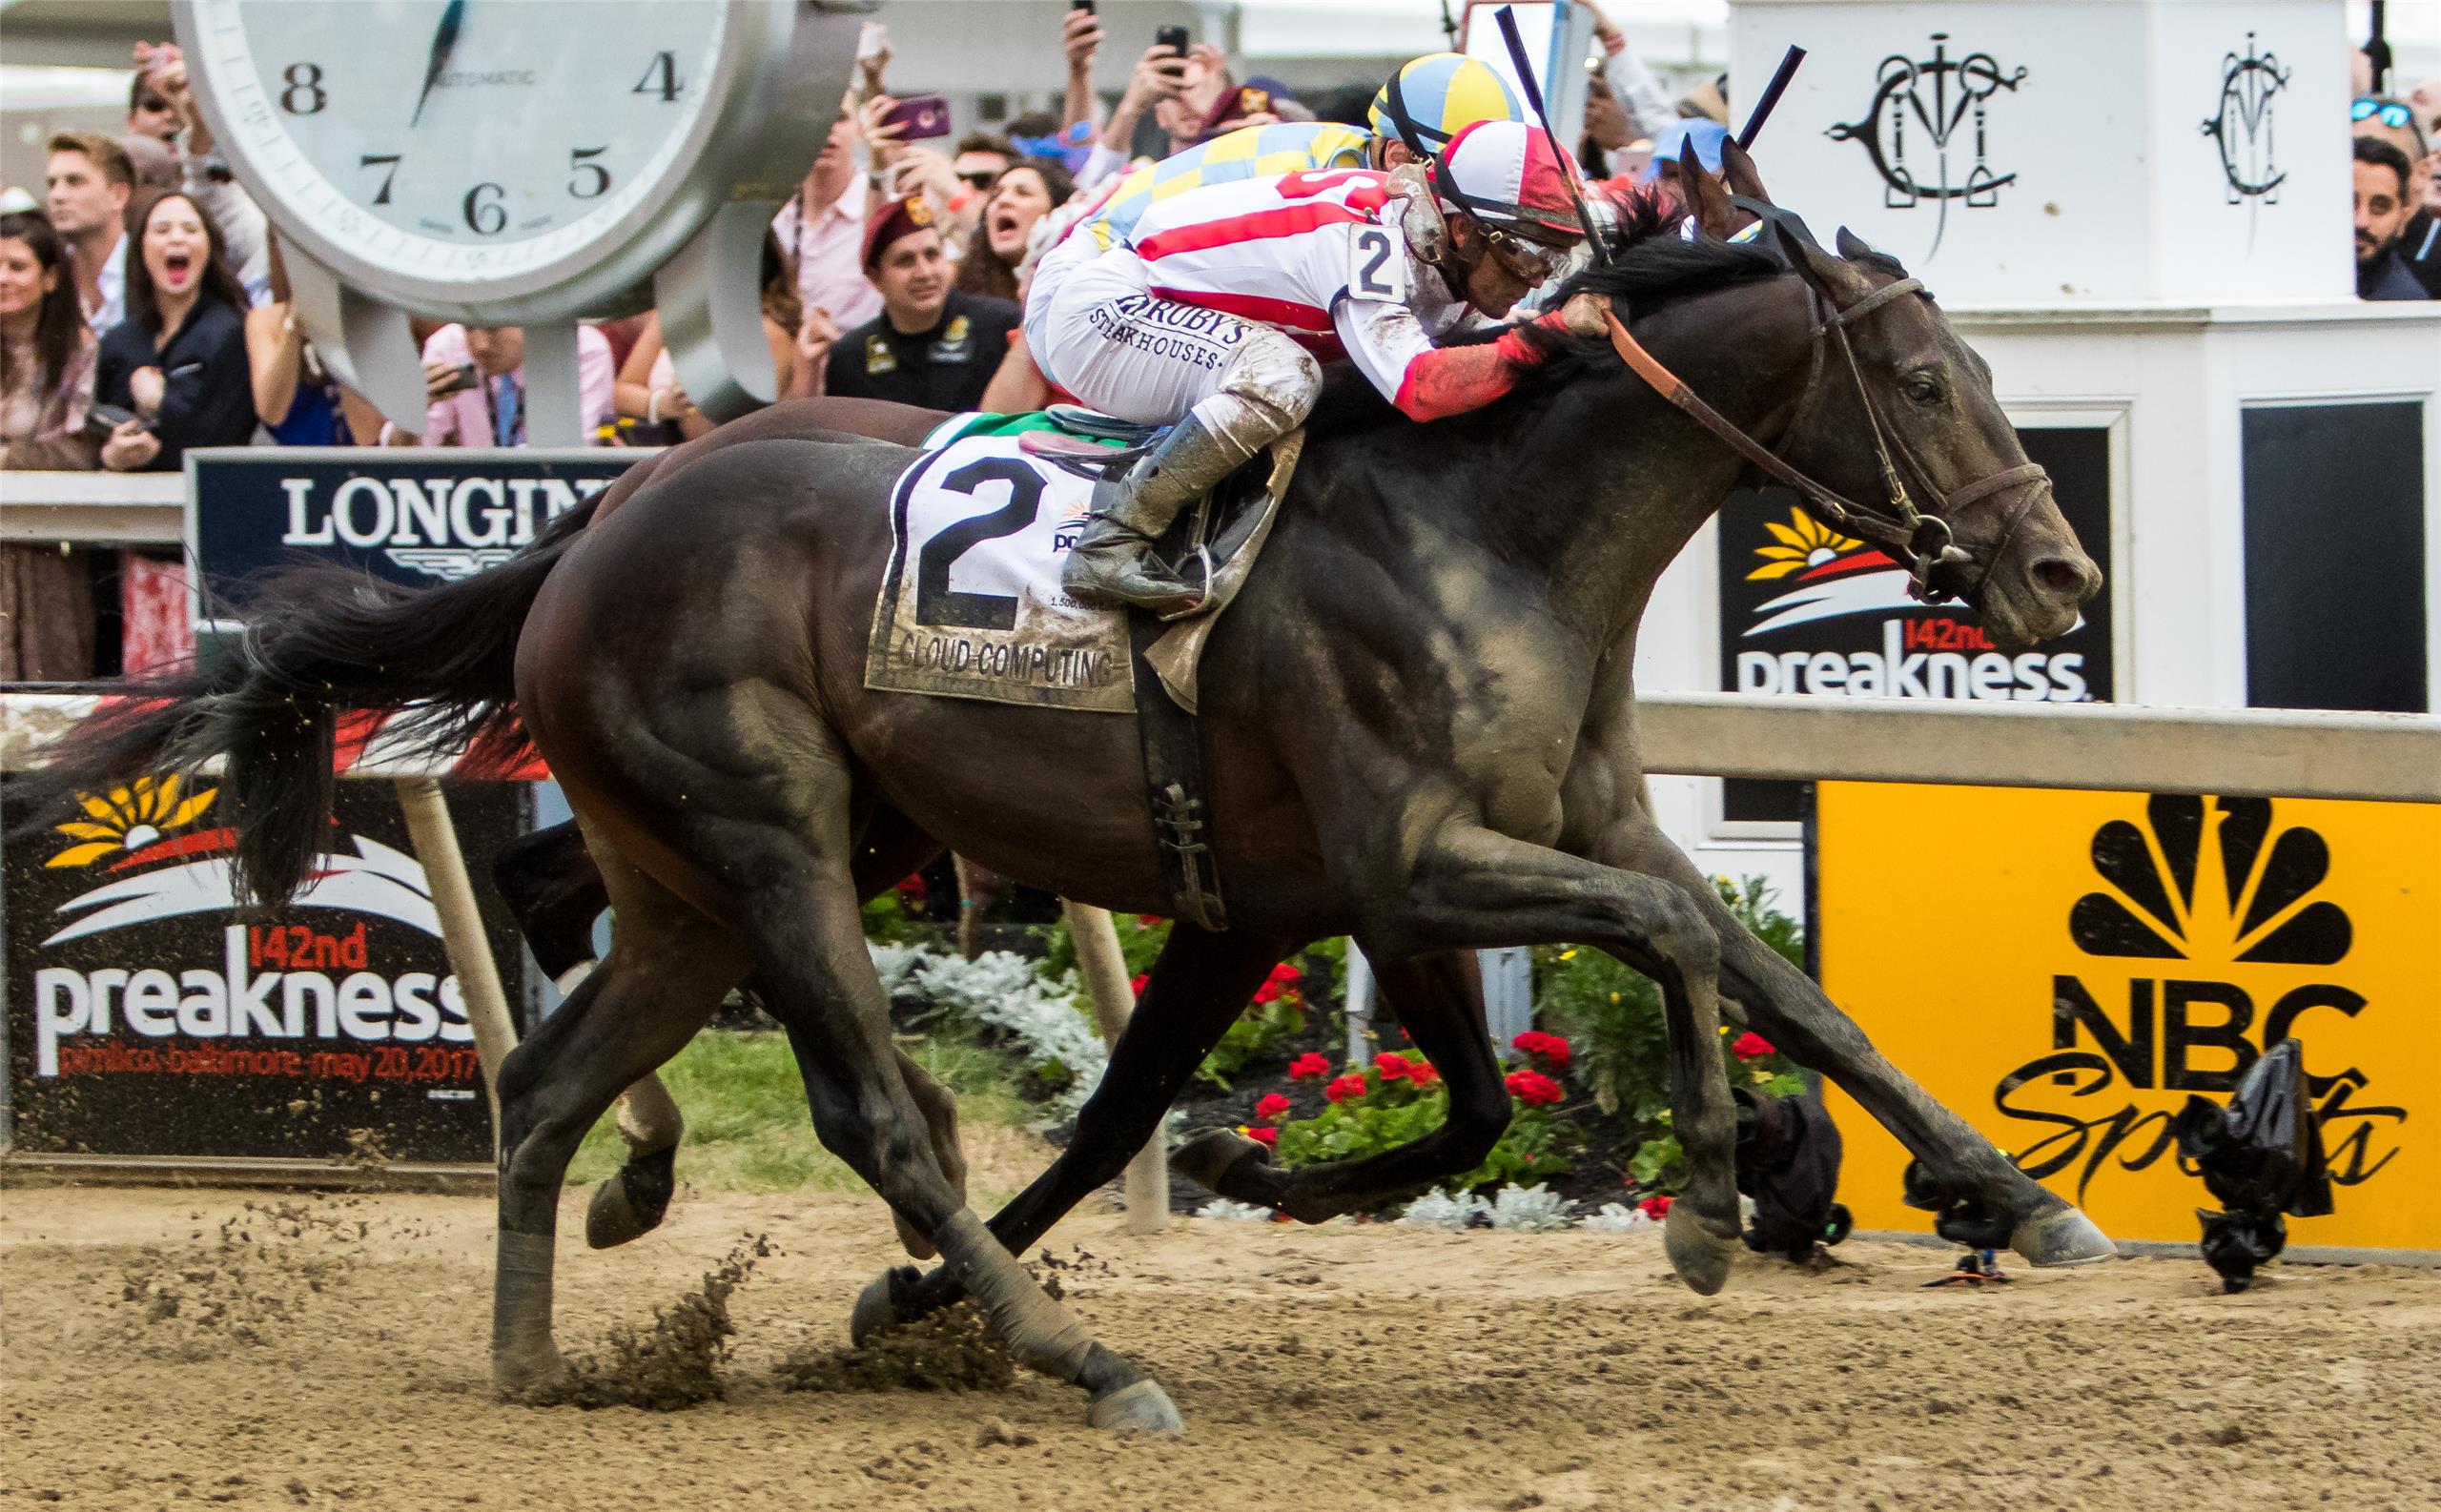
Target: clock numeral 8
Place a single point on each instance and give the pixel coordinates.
(486, 217)
(304, 82)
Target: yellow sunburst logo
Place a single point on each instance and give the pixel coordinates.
(1804, 541)
(129, 819)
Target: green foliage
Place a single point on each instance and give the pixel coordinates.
(1261, 1030)
(747, 1125)
(1391, 1112)
(1140, 938)
(887, 922)
(1613, 1019)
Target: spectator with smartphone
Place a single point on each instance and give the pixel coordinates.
(822, 231)
(474, 376)
(296, 399)
(204, 175)
(89, 182)
(46, 354)
(179, 360)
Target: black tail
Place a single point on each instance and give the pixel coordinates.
(320, 640)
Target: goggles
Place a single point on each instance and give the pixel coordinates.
(1530, 260)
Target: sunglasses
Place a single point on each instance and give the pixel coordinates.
(981, 178)
(2389, 113)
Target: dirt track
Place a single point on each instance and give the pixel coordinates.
(1346, 1368)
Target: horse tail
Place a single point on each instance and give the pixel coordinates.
(320, 641)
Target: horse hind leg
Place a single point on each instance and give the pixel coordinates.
(666, 970)
(806, 949)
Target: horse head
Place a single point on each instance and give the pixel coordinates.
(1898, 415)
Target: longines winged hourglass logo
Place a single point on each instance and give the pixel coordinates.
(2242, 127)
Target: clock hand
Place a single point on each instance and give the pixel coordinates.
(443, 39)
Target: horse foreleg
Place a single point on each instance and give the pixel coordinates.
(1198, 988)
(1788, 1008)
(1474, 889)
(664, 974)
(1439, 1000)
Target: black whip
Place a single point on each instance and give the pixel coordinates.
(1771, 96)
(1534, 97)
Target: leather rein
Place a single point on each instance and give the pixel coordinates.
(1937, 568)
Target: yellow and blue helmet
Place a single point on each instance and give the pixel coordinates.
(1432, 99)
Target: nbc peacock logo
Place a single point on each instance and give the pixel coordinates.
(2198, 882)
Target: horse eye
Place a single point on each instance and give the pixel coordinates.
(1924, 389)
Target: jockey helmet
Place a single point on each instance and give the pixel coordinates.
(1432, 99)
(1506, 175)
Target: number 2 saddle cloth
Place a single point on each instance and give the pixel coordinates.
(980, 525)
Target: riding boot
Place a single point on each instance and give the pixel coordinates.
(1112, 564)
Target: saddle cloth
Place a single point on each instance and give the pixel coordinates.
(971, 606)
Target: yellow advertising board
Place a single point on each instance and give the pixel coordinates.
(2065, 969)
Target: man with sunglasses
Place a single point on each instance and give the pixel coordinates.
(1211, 314)
(2398, 239)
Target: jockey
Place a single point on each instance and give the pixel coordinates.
(1427, 101)
(1211, 313)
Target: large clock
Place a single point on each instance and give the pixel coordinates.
(524, 162)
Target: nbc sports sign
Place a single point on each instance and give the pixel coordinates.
(2077, 965)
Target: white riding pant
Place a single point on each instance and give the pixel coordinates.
(1097, 333)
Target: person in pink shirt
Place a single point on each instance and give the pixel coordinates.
(823, 231)
(491, 410)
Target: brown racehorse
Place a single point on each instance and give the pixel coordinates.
(1420, 730)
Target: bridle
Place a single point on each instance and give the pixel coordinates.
(1937, 568)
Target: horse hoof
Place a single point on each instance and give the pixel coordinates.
(2065, 1236)
(535, 1378)
(1143, 1407)
(876, 1312)
(633, 1201)
(913, 1239)
(1208, 1158)
(1701, 1257)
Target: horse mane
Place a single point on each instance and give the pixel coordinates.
(1650, 264)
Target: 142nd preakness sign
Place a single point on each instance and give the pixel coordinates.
(145, 1017)
(2074, 966)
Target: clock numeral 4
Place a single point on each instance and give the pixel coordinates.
(591, 180)
(376, 160)
(486, 217)
(661, 77)
(304, 95)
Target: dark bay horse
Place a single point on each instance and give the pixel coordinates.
(1420, 730)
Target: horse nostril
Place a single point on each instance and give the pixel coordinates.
(2068, 577)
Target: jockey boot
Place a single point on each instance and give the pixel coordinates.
(1112, 564)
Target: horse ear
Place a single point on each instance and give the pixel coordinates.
(1856, 249)
(1739, 167)
(1837, 278)
(1706, 199)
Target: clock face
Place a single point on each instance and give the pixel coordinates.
(461, 141)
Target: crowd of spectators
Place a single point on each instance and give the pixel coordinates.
(144, 309)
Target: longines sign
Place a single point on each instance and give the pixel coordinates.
(417, 517)
(2079, 964)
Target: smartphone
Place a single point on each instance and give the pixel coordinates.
(1086, 5)
(1173, 38)
(463, 376)
(100, 420)
(922, 116)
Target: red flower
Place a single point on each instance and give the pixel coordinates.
(1346, 1087)
(1393, 1066)
(1655, 1207)
(1265, 1135)
(1145, 921)
(1422, 1073)
(1272, 1106)
(1549, 1047)
(1311, 1066)
(911, 886)
(1749, 1045)
(1138, 983)
(1533, 1089)
(1282, 982)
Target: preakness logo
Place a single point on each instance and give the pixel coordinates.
(1917, 653)
(157, 855)
(2206, 944)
